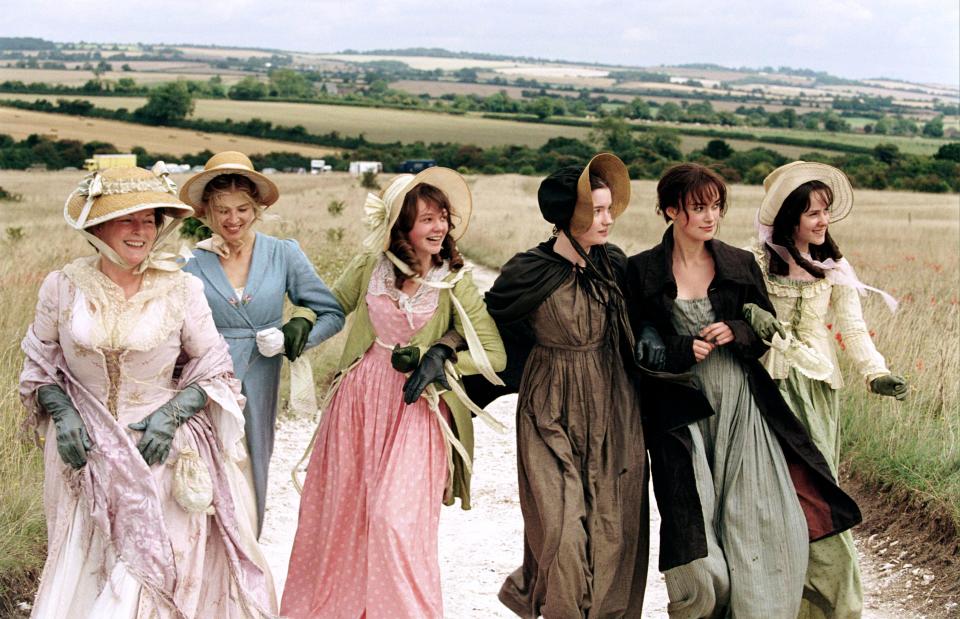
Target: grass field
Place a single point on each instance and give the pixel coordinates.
(21, 123)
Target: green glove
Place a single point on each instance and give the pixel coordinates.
(763, 323)
(295, 335)
(73, 443)
(405, 358)
(890, 385)
(159, 426)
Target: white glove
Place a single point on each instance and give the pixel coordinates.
(270, 342)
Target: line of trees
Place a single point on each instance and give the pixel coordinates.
(647, 155)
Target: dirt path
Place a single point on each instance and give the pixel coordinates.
(478, 548)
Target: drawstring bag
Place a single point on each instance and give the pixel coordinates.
(192, 485)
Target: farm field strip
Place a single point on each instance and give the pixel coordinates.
(21, 123)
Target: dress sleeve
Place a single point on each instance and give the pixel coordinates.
(852, 328)
(347, 288)
(46, 321)
(486, 329)
(679, 348)
(306, 289)
(199, 333)
(745, 339)
(46, 328)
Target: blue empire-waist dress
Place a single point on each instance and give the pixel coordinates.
(278, 268)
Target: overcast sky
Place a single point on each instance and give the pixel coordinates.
(917, 40)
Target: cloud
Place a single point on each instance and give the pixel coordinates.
(912, 39)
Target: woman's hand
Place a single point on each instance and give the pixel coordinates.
(718, 334)
(890, 385)
(702, 348)
(763, 323)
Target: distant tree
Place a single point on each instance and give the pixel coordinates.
(670, 112)
(544, 107)
(248, 89)
(933, 128)
(717, 149)
(904, 126)
(887, 153)
(466, 74)
(102, 67)
(215, 87)
(612, 134)
(949, 152)
(882, 126)
(126, 67)
(166, 102)
(290, 84)
(126, 85)
(637, 108)
(832, 122)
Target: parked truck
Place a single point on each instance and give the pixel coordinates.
(102, 162)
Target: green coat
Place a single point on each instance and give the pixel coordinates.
(351, 290)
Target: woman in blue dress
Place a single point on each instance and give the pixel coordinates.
(246, 275)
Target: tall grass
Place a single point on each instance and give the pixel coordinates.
(904, 243)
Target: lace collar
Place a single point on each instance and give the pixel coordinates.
(383, 282)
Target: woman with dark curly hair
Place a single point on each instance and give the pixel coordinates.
(389, 448)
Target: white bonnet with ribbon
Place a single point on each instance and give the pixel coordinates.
(381, 211)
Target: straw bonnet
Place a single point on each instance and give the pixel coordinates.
(116, 192)
(781, 182)
(565, 196)
(227, 162)
(381, 212)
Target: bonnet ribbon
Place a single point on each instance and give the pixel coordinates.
(375, 218)
(839, 272)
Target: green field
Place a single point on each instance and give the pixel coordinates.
(389, 125)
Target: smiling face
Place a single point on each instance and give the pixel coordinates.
(599, 230)
(813, 224)
(231, 215)
(699, 219)
(429, 229)
(131, 236)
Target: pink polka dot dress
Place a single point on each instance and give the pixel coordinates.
(366, 544)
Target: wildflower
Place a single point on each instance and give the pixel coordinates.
(920, 364)
(909, 258)
(246, 299)
(830, 326)
(872, 333)
(232, 300)
(839, 338)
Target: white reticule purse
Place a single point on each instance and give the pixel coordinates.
(192, 485)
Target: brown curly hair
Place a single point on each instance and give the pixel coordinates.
(687, 180)
(400, 243)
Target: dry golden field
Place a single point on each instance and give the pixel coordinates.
(142, 77)
(21, 123)
(908, 244)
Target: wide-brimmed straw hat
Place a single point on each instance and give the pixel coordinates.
(565, 197)
(227, 162)
(781, 182)
(381, 212)
(116, 192)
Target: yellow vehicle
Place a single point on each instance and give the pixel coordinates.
(102, 162)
